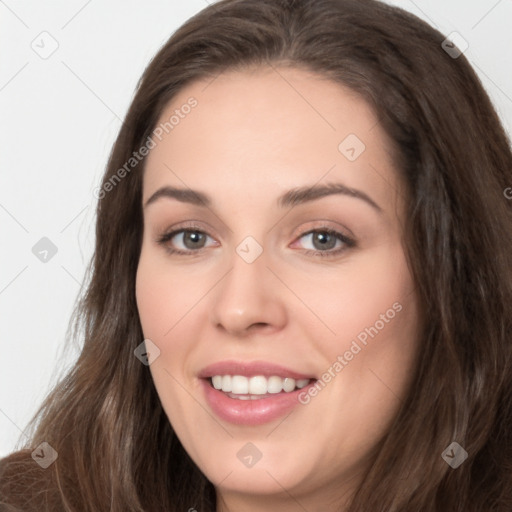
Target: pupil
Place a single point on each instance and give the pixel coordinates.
(323, 237)
(193, 237)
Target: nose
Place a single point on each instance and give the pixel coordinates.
(248, 299)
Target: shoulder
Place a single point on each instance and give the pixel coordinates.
(23, 483)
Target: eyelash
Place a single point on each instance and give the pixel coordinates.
(349, 242)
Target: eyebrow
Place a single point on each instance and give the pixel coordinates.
(292, 197)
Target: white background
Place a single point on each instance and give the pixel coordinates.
(60, 117)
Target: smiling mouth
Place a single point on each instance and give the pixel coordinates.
(254, 399)
(257, 387)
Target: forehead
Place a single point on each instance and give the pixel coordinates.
(269, 125)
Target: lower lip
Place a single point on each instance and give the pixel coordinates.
(251, 412)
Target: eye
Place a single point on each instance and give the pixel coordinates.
(326, 242)
(191, 241)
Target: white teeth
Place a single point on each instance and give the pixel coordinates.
(275, 385)
(239, 385)
(288, 384)
(226, 383)
(257, 385)
(301, 383)
(217, 381)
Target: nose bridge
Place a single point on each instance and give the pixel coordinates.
(247, 294)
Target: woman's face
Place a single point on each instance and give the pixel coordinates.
(290, 273)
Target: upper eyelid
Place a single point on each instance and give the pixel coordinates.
(192, 226)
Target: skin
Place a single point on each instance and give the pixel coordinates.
(254, 135)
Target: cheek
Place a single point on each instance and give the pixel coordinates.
(156, 298)
(162, 301)
(377, 333)
(149, 300)
(169, 305)
(367, 293)
(162, 290)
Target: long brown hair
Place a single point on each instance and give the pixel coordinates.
(116, 448)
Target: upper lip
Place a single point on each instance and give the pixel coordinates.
(251, 369)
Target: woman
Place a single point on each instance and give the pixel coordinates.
(301, 291)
